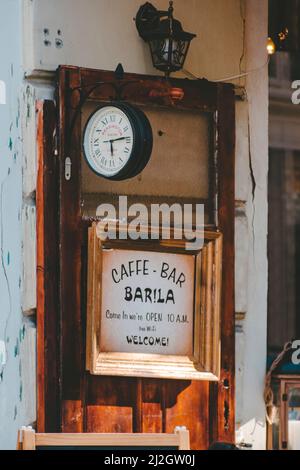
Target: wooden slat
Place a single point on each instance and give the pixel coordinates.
(187, 404)
(28, 439)
(47, 271)
(222, 404)
(72, 330)
(138, 407)
(153, 406)
(113, 439)
(110, 404)
(31, 440)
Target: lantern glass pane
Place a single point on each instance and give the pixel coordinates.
(168, 54)
(160, 53)
(179, 52)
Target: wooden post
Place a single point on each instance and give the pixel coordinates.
(184, 438)
(28, 439)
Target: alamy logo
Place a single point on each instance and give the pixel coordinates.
(178, 221)
(296, 93)
(296, 353)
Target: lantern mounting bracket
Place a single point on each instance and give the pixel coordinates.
(85, 91)
(148, 18)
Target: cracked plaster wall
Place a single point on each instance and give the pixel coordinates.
(17, 333)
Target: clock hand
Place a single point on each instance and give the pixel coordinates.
(111, 148)
(114, 140)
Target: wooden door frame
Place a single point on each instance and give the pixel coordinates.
(48, 318)
(61, 387)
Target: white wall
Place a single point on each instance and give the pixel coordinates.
(251, 236)
(102, 33)
(17, 335)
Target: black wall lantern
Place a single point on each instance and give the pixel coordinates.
(168, 42)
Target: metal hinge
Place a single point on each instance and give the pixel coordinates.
(284, 397)
(68, 168)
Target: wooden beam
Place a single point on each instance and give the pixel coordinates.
(47, 272)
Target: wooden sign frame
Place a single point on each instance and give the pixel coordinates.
(204, 364)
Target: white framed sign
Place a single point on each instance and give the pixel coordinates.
(147, 303)
(154, 308)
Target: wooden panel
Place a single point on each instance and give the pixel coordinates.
(140, 404)
(110, 404)
(187, 404)
(181, 149)
(70, 258)
(48, 413)
(222, 394)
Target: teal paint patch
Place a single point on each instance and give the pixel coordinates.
(17, 348)
(10, 144)
(8, 258)
(22, 333)
(15, 413)
(21, 391)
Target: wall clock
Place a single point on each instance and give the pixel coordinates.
(117, 141)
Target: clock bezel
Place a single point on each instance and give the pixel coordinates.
(141, 146)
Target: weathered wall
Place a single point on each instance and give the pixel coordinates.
(251, 235)
(17, 333)
(101, 33)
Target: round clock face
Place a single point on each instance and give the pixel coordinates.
(109, 141)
